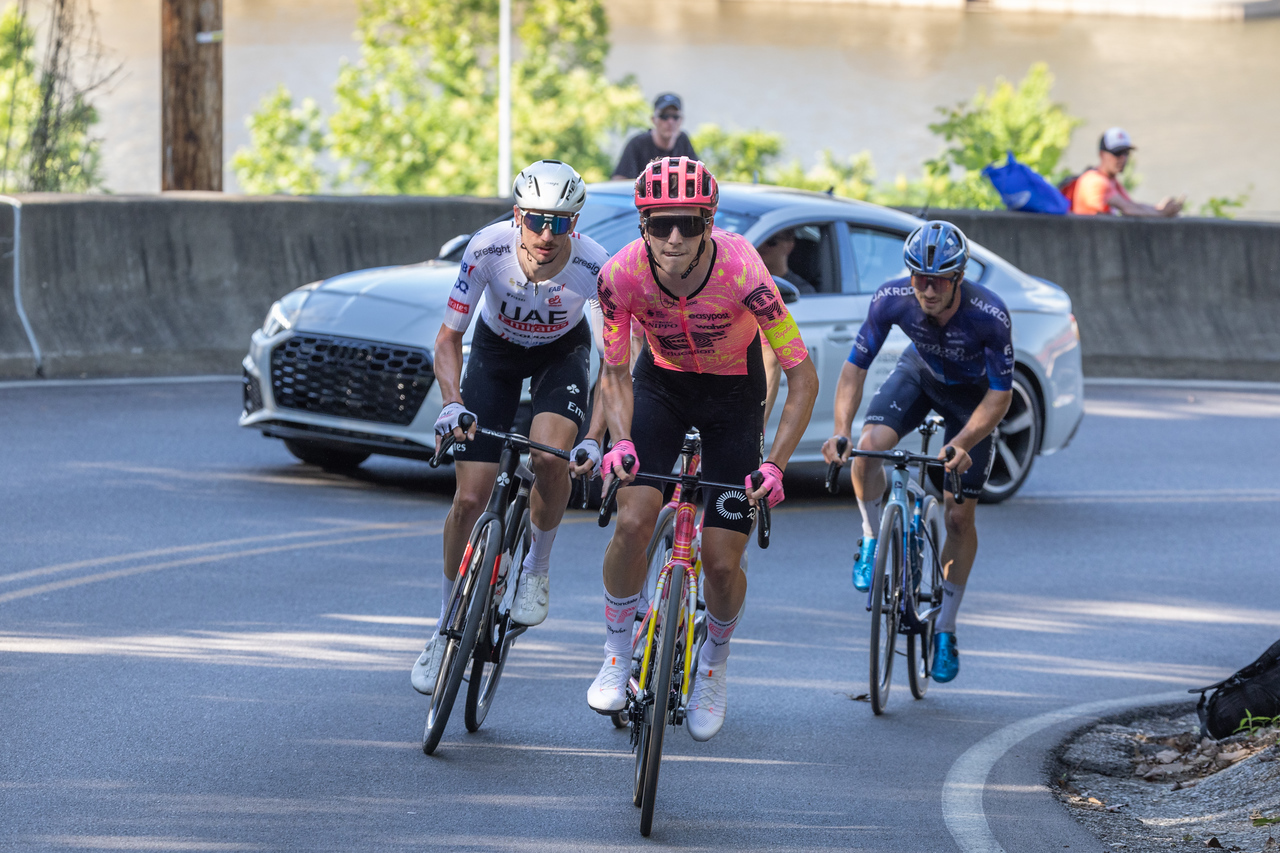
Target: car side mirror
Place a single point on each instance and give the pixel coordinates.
(790, 293)
(452, 249)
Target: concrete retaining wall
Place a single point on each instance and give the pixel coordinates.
(1183, 298)
(175, 284)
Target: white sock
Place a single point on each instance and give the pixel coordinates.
(951, 595)
(619, 623)
(870, 517)
(538, 560)
(715, 650)
(446, 595)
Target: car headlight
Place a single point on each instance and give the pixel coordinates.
(276, 321)
(285, 311)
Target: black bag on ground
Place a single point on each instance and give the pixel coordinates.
(1247, 700)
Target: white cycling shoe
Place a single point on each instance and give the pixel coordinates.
(533, 596)
(704, 714)
(424, 672)
(608, 693)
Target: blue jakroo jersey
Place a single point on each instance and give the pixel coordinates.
(975, 347)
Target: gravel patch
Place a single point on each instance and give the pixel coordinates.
(1145, 781)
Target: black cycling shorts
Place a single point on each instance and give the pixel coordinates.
(905, 400)
(728, 412)
(495, 373)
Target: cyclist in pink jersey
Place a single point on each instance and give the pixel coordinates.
(702, 297)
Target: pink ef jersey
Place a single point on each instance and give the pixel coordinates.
(708, 331)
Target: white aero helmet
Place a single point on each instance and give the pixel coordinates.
(549, 185)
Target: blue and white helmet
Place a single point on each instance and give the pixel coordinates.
(936, 248)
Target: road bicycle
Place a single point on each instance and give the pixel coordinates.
(478, 630)
(670, 635)
(906, 584)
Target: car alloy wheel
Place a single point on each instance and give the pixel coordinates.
(1017, 441)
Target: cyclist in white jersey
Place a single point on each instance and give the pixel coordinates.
(537, 277)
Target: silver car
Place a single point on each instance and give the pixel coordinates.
(342, 367)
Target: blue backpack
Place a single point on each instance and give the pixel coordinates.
(1022, 188)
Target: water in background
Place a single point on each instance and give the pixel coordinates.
(1199, 98)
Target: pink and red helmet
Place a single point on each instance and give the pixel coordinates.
(672, 181)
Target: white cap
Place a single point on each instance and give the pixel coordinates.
(1115, 140)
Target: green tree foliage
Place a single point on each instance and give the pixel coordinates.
(737, 155)
(1022, 119)
(1223, 206)
(417, 113)
(46, 121)
(285, 140)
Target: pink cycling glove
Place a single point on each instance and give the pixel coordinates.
(772, 481)
(613, 459)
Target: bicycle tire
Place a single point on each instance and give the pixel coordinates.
(457, 656)
(920, 646)
(490, 656)
(884, 605)
(670, 633)
(658, 552)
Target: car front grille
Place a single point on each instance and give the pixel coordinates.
(252, 393)
(351, 378)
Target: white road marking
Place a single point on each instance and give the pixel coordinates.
(121, 380)
(967, 779)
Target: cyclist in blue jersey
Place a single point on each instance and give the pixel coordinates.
(959, 364)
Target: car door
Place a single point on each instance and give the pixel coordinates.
(876, 257)
(819, 259)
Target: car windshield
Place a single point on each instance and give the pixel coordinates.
(612, 221)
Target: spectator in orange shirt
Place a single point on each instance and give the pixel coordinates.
(1098, 190)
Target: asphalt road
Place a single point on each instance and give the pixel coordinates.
(205, 645)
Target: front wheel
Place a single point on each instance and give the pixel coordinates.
(665, 638)
(499, 636)
(471, 594)
(885, 590)
(928, 596)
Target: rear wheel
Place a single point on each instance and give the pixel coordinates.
(885, 582)
(470, 601)
(328, 458)
(491, 653)
(928, 596)
(665, 639)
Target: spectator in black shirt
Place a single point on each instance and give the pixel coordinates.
(665, 140)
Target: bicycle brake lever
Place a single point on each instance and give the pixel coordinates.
(580, 458)
(954, 476)
(762, 512)
(606, 506)
(833, 470)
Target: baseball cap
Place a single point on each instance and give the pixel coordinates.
(665, 100)
(1116, 141)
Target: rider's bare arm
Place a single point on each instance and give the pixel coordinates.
(848, 399)
(618, 403)
(802, 390)
(448, 364)
(985, 418)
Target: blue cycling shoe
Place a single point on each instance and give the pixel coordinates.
(946, 658)
(864, 564)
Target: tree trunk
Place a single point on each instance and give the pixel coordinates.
(191, 95)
